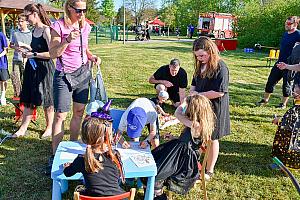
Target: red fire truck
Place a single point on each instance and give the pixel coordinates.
(217, 25)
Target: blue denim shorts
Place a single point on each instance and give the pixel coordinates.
(63, 94)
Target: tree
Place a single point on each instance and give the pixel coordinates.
(107, 10)
(128, 16)
(93, 10)
(138, 7)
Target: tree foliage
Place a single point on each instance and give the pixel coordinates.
(264, 23)
(107, 10)
(138, 8)
(128, 16)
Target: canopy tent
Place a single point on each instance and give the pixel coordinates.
(157, 21)
(12, 8)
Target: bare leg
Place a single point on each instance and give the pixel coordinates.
(58, 129)
(212, 156)
(78, 110)
(49, 115)
(267, 96)
(27, 116)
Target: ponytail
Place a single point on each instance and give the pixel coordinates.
(91, 164)
(43, 15)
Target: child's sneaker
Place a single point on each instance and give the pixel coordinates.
(261, 102)
(3, 101)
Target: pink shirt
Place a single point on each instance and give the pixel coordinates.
(71, 57)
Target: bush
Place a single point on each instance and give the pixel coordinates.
(264, 24)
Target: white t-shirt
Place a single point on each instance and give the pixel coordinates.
(145, 104)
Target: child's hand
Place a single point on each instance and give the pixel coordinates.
(143, 144)
(125, 145)
(66, 165)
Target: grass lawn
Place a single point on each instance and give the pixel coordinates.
(242, 169)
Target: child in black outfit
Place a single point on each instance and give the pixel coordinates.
(100, 166)
(177, 160)
(159, 101)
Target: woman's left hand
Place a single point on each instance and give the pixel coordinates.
(95, 59)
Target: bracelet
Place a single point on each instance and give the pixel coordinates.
(67, 40)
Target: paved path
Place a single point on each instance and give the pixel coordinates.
(159, 40)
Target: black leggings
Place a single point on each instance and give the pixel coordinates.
(276, 75)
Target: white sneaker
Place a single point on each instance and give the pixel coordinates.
(3, 101)
(208, 176)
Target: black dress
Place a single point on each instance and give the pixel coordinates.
(37, 88)
(176, 163)
(218, 83)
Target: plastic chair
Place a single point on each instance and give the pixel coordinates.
(116, 114)
(125, 195)
(273, 55)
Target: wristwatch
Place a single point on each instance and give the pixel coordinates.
(34, 54)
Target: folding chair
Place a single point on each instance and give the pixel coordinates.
(19, 108)
(125, 195)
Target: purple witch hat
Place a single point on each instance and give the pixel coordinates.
(103, 113)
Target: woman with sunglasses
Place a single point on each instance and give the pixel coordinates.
(69, 44)
(37, 87)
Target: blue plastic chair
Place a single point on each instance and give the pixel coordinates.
(116, 114)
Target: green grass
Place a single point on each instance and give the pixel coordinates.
(242, 169)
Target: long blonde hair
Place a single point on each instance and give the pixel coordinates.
(199, 110)
(97, 134)
(67, 13)
(206, 44)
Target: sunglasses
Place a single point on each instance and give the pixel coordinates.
(289, 23)
(78, 10)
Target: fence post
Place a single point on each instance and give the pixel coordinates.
(96, 34)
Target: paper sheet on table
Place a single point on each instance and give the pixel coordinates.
(142, 160)
(68, 156)
(134, 149)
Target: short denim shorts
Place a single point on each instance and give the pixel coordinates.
(63, 94)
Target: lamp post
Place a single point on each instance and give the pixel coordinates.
(124, 20)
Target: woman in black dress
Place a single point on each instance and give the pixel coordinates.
(211, 78)
(176, 160)
(39, 69)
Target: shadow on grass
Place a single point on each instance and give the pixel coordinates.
(22, 169)
(245, 158)
(245, 94)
